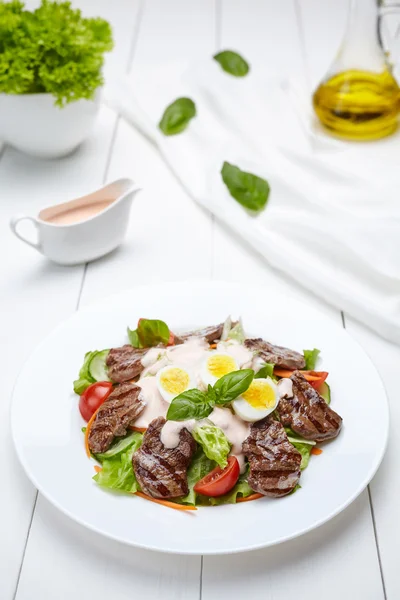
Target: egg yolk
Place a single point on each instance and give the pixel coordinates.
(174, 381)
(220, 364)
(260, 395)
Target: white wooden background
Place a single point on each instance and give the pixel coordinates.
(44, 555)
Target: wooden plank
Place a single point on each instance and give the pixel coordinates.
(36, 294)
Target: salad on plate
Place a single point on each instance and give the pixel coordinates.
(203, 418)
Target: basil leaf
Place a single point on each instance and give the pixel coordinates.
(232, 63)
(177, 115)
(266, 371)
(192, 404)
(311, 357)
(249, 190)
(231, 385)
(150, 332)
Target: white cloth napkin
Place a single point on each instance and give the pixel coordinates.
(332, 222)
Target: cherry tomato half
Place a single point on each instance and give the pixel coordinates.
(93, 397)
(219, 481)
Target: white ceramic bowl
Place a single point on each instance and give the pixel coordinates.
(33, 124)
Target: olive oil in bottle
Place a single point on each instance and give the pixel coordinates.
(358, 105)
(359, 99)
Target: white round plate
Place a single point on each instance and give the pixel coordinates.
(46, 422)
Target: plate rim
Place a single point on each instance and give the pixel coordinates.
(246, 548)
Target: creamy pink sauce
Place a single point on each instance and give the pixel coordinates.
(78, 213)
(235, 429)
(155, 407)
(242, 355)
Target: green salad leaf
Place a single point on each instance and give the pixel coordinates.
(177, 116)
(52, 49)
(200, 466)
(311, 357)
(267, 370)
(93, 369)
(232, 63)
(195, 404)
(214, 442)
(302, 445)
(241, 490)
(249, 190)
(237, 332)
(117, 472)
(149, 333)
(85, 379)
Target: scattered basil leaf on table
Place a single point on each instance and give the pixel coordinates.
(177, 116)
(249, 190)
(232, 63)
(192, 404)
(195, 404)
(267, 370)
(231, 385)
(311, 357)
(149, 333)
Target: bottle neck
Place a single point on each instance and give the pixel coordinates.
(360, 47)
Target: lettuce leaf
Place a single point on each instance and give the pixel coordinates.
(149, 333)
(85, 379)
(214, 442)
(305, 451)
(267, 370)
(117, 472)
(241, 490)
(311, 357)
(199, 468)
(237, 332)
(302, 445)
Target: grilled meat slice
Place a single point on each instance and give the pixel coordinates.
(124, 363)
(277, 355)
(161, 471)
(114, 416)
(307, 413)
(210, 334)
(274, 461)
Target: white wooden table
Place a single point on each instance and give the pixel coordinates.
(44, 555)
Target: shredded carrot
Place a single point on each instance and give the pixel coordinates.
(316, 451)
(165, 502)
(310, 376)
(139, 429)
(88, 428)
(249, 498)
(97, 468)
(213, 346)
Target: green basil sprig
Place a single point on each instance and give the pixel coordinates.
(177, 116)
(249, 190)
(194, 404)
(149, 333)
(232, 63)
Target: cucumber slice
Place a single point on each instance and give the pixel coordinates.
(97, 366)
(325, 392)
(120, 446)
